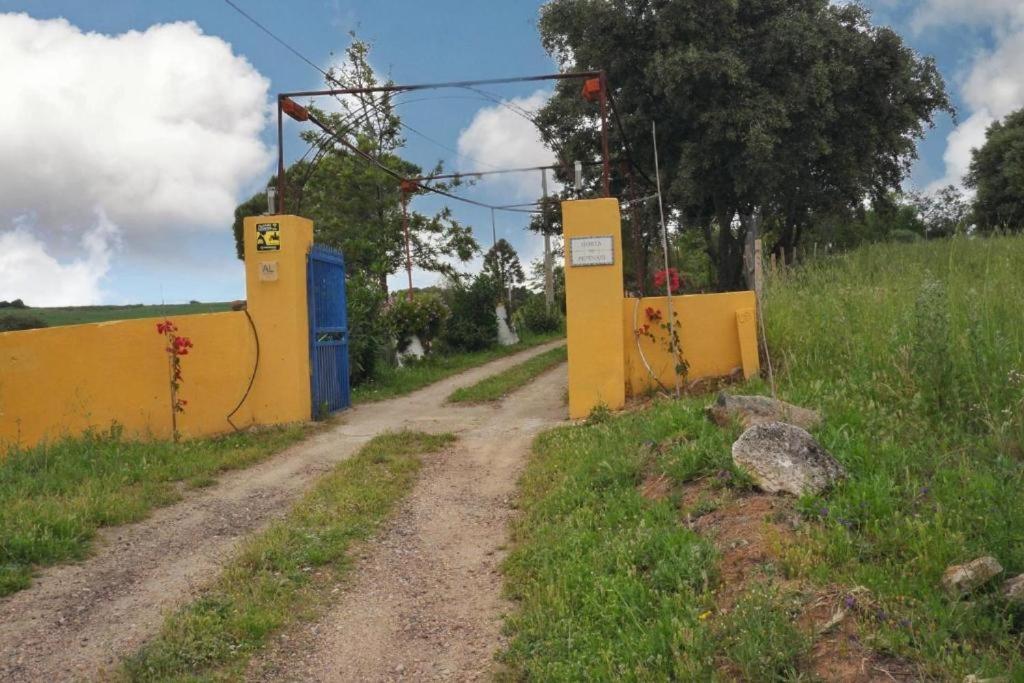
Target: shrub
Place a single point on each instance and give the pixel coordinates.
(368, 333)
(534, 316)
(14, 322)
(17, 303)
(423, 317)
(473, 325)
(900, 235)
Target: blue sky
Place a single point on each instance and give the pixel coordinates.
(102, 235)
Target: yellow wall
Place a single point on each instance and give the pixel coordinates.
(594, 305)
(62, 380)
(717, 333)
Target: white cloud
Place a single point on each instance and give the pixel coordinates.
(28, 272)
(993, 88)
(158, 129)
(970, 12)
(501, 137)
(993, 85)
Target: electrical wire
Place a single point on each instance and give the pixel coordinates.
(401, 178)
(332, 79)
(255, 367)
(504, 103)
(274, 36)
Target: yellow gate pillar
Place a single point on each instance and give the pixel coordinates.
(593, 299)
(275, 282)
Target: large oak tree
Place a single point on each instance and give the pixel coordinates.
(786, 108)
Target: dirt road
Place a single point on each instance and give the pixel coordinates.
(79, 619)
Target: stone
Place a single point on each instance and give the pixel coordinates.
(1013, 590)
(784, 457)
(754, 410)
(964, 578)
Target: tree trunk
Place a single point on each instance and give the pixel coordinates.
(730, 253)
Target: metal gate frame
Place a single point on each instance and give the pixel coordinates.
(328, 331)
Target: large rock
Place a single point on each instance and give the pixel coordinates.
(1013, 590)
(754, 410)
(964, 578)
(784, 457)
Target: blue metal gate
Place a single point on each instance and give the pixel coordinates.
(328, 330)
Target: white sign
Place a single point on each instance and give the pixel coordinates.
(268, 271)
(591, 251)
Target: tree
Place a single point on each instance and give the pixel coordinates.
(943, 213)
(997, 174)
(789, 108)
(501, 264)
(357, 206)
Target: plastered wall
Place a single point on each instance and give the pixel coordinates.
(64, 380)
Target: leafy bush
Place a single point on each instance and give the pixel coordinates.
(367, 329)
(14, 322)
(473, 325)
(901, 235)
(423, 317)
(17, 303)
(534, 316)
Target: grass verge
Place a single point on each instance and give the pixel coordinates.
(611, 586)
(76, 315)
(496, 387)
(54, 497)
(394, 382)
(915, 355)
(279, 575)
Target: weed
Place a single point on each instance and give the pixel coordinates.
(497, 386)
(760, 638)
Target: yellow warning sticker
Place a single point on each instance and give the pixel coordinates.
(268, 237)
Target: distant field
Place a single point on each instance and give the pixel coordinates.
(74, 315)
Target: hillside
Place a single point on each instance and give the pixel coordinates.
(74, 315)
(643, 553)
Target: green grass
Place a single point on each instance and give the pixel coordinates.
(55, 496)
(915, 354)
(497, 386)
(283, 573)
(392, 382)
(74, 315)
(611, 586)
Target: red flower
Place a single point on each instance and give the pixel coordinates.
(671, 275)
(653, 314)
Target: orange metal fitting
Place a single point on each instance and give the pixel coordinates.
(591, 89)
(294, 110)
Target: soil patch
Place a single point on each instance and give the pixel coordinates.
(750, 530)
(425, 602)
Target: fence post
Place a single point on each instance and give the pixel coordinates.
(758, 268)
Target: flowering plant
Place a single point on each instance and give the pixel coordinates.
(671, 275)
(177, 346)
(670, 331)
